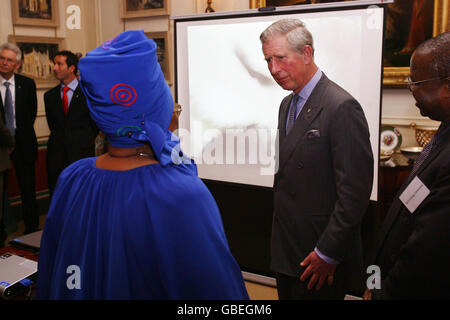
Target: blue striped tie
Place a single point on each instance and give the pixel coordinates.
(9, 115)
(292, 113)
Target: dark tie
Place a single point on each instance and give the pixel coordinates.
(423, 155)
(292, 113)
(65, 100)
(9, 114)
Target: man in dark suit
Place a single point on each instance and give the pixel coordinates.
(19, 108)
(72, 131)
(324, 178)
(413, 249)
(6, 146)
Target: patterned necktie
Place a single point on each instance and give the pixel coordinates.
(9, 114)
(65, 100)
(292, 113)
(423, 155)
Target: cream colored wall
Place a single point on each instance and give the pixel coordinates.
(101, 21)
(399, 110)
(82, 40)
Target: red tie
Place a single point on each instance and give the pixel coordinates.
(65, 100)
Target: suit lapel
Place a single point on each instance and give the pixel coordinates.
(58, 102)
(18, 95)
(2, 110)
(310, 111)
(282, 118)
(75, 99)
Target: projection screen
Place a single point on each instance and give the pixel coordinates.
(230, 101)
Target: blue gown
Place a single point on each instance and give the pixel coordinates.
(146, 233)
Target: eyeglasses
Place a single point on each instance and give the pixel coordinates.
(412, 84)
(8, 60)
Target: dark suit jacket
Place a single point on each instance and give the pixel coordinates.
(324, 180)
(413, 250)
(25, 114)
(6, 142)
(72, 137)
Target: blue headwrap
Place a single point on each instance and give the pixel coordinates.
(128, 96)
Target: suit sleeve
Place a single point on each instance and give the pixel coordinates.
(6, 138)
(422, 266)
(352, 162)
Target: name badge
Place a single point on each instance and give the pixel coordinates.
(414, 194)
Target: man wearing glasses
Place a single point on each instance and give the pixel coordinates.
(413, 250)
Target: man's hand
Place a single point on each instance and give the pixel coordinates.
(318, 270)
(367, 295)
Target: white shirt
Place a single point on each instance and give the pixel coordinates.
(12, 88)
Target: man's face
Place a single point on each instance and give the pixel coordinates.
(61, 70)
(432, 97)
(287, 66)
(8, 63)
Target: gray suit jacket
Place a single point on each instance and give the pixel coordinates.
(324, 180)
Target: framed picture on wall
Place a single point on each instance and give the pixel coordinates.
(408, 24)
(37, 58)
(280, 3)
(35, 13)
(163, 52)
(144, 8)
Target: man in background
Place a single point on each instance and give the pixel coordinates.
(413, 250)
(19, 107)
(324, 179)
(72, 131)
(6, 146)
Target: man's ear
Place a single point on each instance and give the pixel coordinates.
(18, 65)
(72, 69)
(308, 54)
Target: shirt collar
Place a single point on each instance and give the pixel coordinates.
(11, 80)
(72, 85)
(309, 87)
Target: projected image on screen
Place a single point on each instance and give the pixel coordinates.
(231, 102)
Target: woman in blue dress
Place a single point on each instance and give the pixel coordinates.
(136, 222)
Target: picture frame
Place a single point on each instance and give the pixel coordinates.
(279, 3)
(163, 52)
(438, 22)
(37, 58)
(42, 13)
(255, 4)
(144, 8)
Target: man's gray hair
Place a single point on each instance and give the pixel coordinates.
(12, 47)
(439, 49)
(294, 29)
